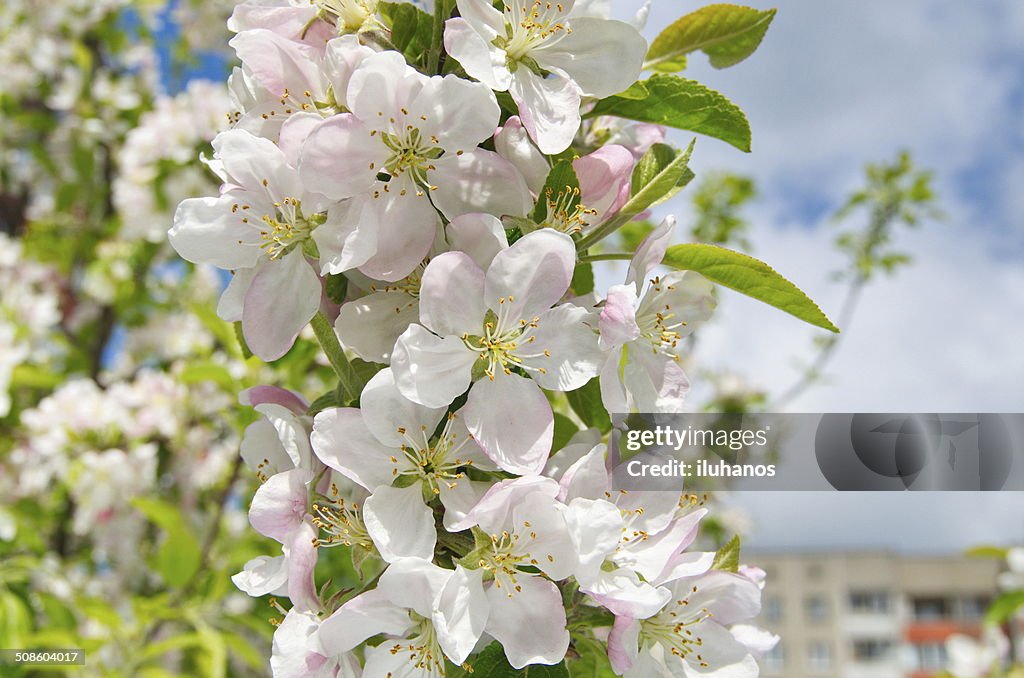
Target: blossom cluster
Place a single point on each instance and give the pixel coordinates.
(431, 210)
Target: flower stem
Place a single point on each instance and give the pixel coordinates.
(608, 256)
(335, 354)
(442, 8)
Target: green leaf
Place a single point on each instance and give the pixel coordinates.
(243, 347)
(179, 555)
(198, 372)
(491, 663)
(565, 429)
(582, 279)
(410, 27)
(33, 376)
(561, 192)
(684, 104)
(728, 34)
(586, 403)
(650, 165)
(336, 287)
(1004, 607)
(324, 401)
(997, 552)
(728, 557)
(748, 276)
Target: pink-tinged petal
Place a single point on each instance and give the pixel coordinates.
(623, 593)
(493, 509)
(639, 137)
(546, 540)
(262, 451)
(461, 613)
(232, 299)
(399, 523)
(280, 64)
(481, 236)
(302, 556)
(535, 272)
(483, 18)
(650, 253)
(655, 382)
(548, 107)
(263, 575)
(297, 23)
(364, 616)
(258, 166)
(652, 511)
(564, 351)
(452, 296)
(613, 391)
(282, 298)
(293, 134)
(529, 623)
(595, 527)
(730, 598)
(757, 640)
(430, 370)
(385, 410)
(720, 649)
(479, 181)
(273, 395)
(370, 325)
(480, 59)
(341, 58)
(342, 440)
(617, 321)
(414, 583)
(340, 159)
(458, 498)
(206, 231)
(349, 236)
(689, 564)
(291, 432)
(651, 557)
(512, 142)
(602, 57)
(623, 643)
(382, 86)
(279, 505)
(587, 478)
(512, 421)
(406, 226)
(292, 654)
(605, 179)
(459, 113)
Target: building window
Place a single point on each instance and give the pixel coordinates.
(871, 650)
(973, 608)
(819, 657)
(817, 608)
(932, 609)
(775, 658)
(772, 609)
(931, 656)
(869, 602)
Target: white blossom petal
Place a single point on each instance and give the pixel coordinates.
(430, 370)
(399, 523)
(512, 421)
(530, 623)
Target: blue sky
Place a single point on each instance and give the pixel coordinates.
(836, 85)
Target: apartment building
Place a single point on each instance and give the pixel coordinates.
(870, 614)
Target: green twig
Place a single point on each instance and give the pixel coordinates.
(607, 256)
(335, 354)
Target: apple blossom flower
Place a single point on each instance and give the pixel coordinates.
(388, 447)
(279, 440)
(485, 325)
(407, 136)
(522, 526)
(370, 325)
(280, 79)
(296, 652)
(547, 57)
(427, 614)
(690, 635)
(263, 226)
(642, 371)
